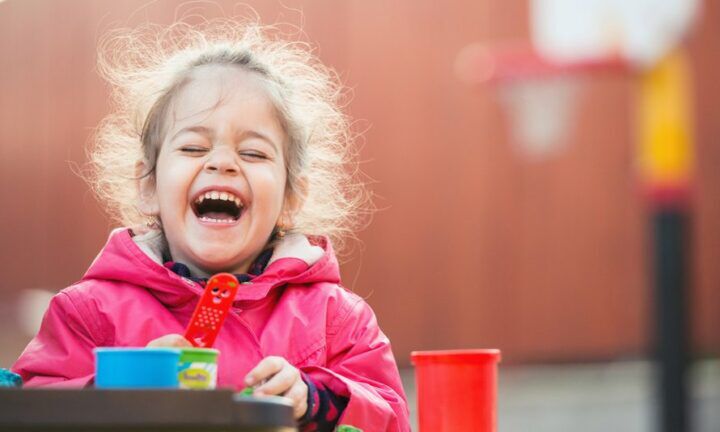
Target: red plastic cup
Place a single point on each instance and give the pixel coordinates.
(456, 390)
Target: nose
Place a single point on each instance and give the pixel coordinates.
(222, 160)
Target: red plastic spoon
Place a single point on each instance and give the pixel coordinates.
(211, 310)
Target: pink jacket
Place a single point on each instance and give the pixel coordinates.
(295, 309)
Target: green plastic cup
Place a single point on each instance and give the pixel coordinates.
(197, 369)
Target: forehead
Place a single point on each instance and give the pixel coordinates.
(225, 91)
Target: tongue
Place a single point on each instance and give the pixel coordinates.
(217, 215)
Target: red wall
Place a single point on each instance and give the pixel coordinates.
(473, 246)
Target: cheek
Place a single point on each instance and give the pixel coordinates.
(269, 186)
(172, 181)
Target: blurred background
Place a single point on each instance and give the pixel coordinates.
(477, 243)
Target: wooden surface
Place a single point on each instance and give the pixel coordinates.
(141, 410)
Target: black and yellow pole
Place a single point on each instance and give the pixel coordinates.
(665, 163)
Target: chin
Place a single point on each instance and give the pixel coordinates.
(219, 261)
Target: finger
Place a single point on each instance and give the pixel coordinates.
(267, 367)
(298, 394)
(170, 340)
(280, 382)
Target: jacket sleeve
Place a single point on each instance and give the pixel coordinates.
(361, 366)
(60, 355)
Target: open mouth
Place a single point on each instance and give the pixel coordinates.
(216, 206)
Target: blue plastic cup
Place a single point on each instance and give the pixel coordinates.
(117, 368)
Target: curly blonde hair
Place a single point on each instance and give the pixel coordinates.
(147, 66)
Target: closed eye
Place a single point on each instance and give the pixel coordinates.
(253, 155)
(193, 149)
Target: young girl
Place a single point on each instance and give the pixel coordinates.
(231, 145)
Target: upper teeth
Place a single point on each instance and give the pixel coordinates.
(225, 196)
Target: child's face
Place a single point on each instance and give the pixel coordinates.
(223, 140)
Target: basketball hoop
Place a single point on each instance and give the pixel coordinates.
(538, 94)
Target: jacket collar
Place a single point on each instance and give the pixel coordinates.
(137, 260)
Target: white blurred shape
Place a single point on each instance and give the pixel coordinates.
(541, 113)
(32, 304)
(640, 31)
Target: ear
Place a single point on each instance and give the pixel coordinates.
(294, 201)
(145, 183)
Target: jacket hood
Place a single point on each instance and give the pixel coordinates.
(136, 260)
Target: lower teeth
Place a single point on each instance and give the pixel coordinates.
(208, 219)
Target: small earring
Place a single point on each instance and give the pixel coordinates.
(280, 232)
(152, 222)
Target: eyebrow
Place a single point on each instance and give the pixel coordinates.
(200, 130)
(255, 134)
(210, 134)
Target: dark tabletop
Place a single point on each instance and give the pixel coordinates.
(141, 410)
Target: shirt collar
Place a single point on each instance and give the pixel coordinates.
(256, 268)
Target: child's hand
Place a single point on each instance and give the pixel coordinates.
(278, 377)
(170, 341)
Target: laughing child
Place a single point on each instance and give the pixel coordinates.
(228, 146)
